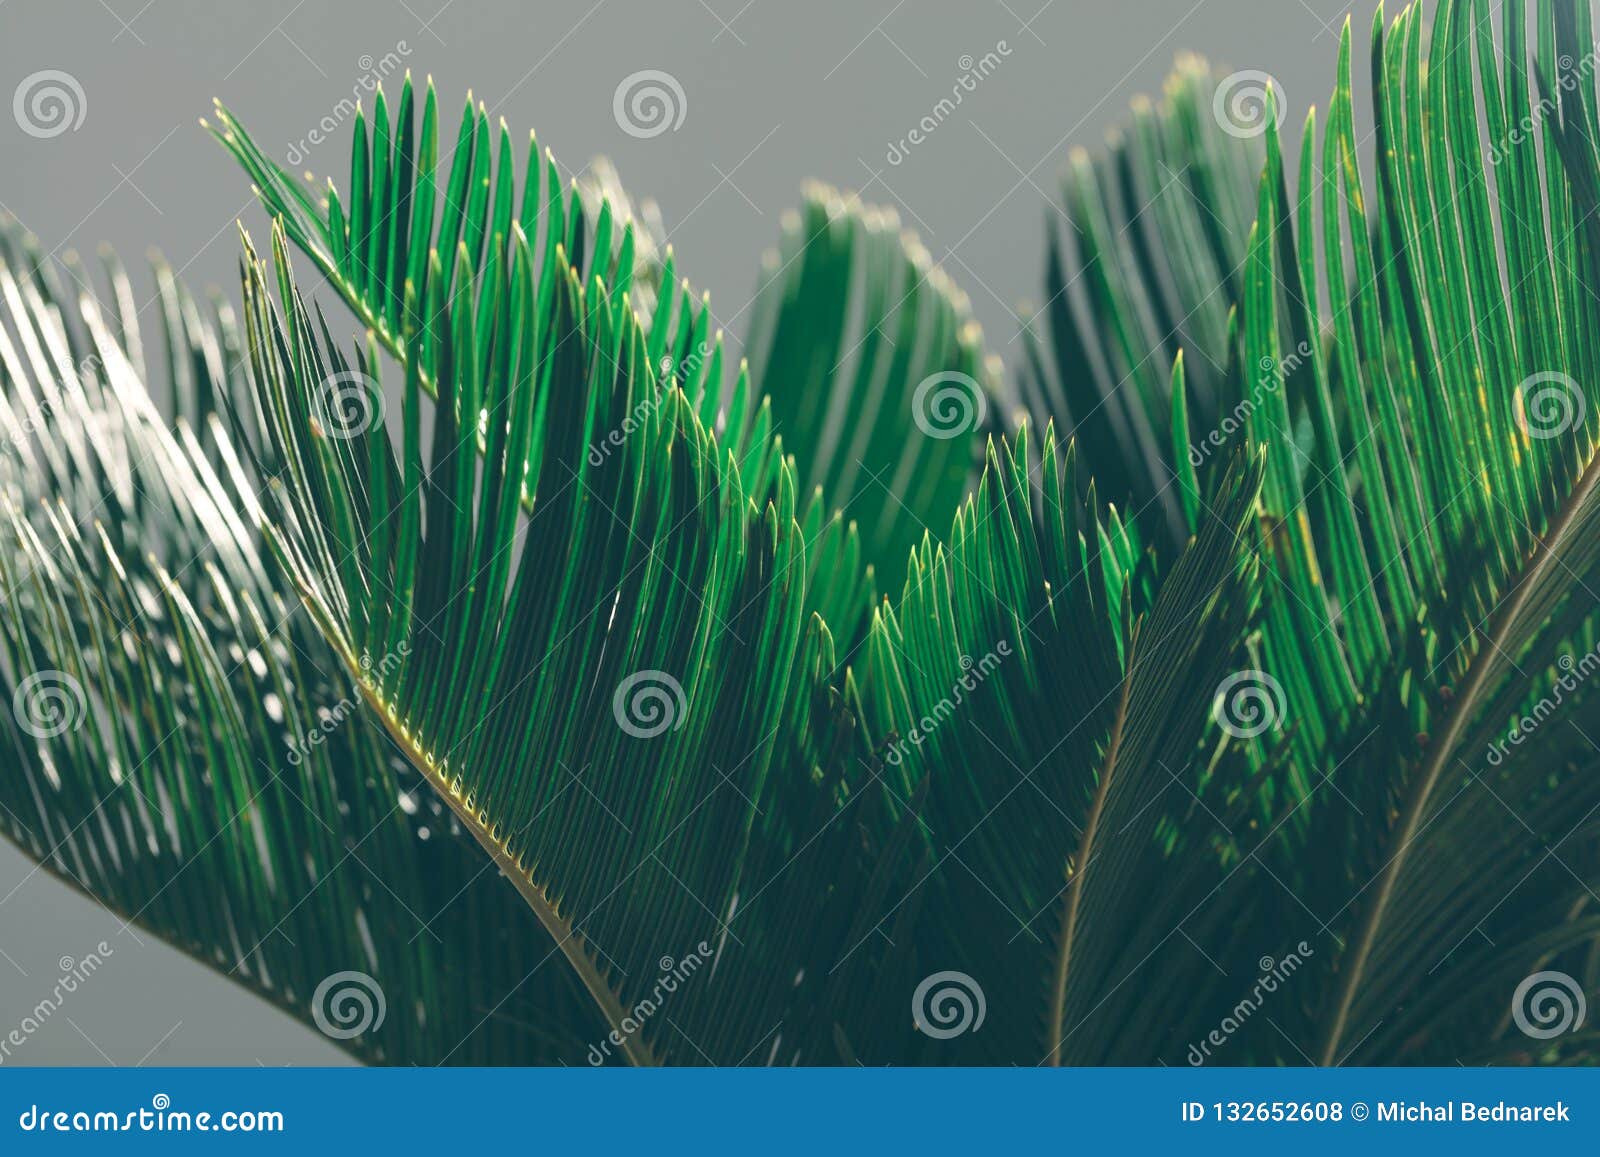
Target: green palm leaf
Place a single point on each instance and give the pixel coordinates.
(1045, 715)
(868, 365)
(875, 370)
(645, 632)
(183, 749)
(1146, 261)
(1431, 543)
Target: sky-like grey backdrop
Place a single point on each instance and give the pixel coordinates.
(773, 93)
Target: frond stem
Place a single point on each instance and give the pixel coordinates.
(1541, 558)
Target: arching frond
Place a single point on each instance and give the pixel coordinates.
(643, 634)
(868, 365)
(181, 744)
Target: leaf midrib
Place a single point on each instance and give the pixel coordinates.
(561, 930)
(1543, 556)
(1069, 924)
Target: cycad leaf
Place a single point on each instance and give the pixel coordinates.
(1148, 263)
(868, 365)
(1433, 540)
(377, 239)
(876, 371)
(1050, 716)
(184, 749)
(607, 691)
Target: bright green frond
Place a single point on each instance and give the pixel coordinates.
(604, 691)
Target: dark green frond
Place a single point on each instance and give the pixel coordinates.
(1145, 261)
(602, 690)
(1051, 716)
(184, 747)
(875, 369)
(1434, 538)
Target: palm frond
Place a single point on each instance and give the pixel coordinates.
(875, 371)
(1046, 712)
(1145, 261)
(869, 368)
(183, 748)
(1431, 541)
(643, 636)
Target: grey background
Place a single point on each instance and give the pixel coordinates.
(776, 92)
